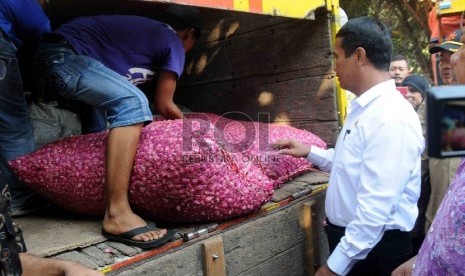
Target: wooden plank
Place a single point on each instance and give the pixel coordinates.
(79, 258)
(119, 247)
(99, 256)
(286, 263)
(264, 239)
(58, 231)
(312, 251)
(300, 186)
(241, 45)
(292, 104)
(187, 261)
(213, 257)
(277, 66)
(271, 245)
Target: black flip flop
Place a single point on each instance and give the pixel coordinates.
(126, 238)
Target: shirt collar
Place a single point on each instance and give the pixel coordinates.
(169, 27)
(374, 92)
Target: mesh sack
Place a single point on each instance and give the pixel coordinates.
(252, 141)
(166, 183)
(185, 170)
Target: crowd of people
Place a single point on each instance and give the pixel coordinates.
(437, 173)
(370, 209)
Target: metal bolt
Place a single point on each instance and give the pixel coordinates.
(215, 257)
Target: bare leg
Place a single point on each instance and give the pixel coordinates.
(120, 153)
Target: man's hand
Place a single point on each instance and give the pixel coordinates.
(291, 147)
(405, 269)
(75, 269)
(164, 94)
(325, 271)
(33, 265)
(169, 110)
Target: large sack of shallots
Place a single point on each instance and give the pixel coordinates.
(252, 141)
(199, 169)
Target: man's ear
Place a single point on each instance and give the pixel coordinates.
(360, 55)
(188, 39)
(189, 34)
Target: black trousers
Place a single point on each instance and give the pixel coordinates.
(391, 251)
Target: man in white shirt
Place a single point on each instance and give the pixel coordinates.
(374, 184)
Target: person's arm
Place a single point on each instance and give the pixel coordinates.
(164, 94)
(33, 265)
(321, 158)
(325, 271)
(405, 269)
(32, 22)
(291, 147)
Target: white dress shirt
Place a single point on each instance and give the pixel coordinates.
(374, 184)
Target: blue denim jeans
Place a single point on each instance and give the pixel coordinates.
(16, 136)
(115, 101)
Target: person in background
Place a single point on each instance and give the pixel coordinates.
(440, 28)
(417, 86)
(442, 170)
(98, 61)
(444, 51)
(370, 208)
(442, 250)
(399, 68)
(22, 23)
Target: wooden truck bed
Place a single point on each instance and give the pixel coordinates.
(271, 241)
(254, 57)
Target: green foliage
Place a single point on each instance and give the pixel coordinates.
(408, 21)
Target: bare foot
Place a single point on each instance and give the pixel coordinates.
(125, 222)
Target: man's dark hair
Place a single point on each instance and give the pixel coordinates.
(370, 34)
(398, 57)
(181, 17)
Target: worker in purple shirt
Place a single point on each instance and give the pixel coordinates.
(22, 24)
(98, 61)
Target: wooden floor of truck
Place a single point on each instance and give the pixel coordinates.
(57, 233)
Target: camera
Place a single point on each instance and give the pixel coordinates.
(445, 119)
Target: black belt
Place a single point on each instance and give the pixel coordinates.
(337, 228)
(55, 38)
(342, 230)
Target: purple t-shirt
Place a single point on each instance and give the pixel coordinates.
(136, 47)
(443, 250)
(23, 21)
